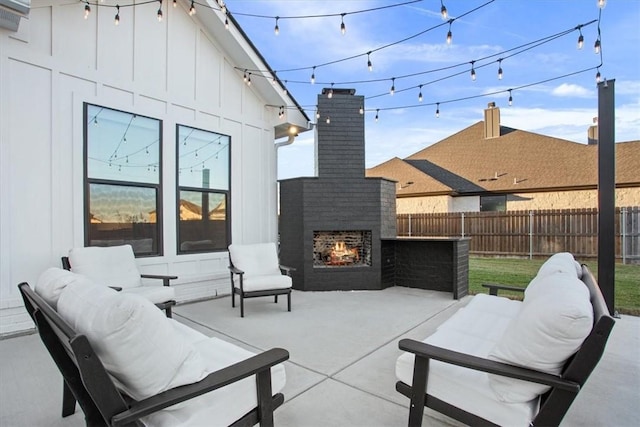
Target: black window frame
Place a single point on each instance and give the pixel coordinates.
(494, 200)
(179, 189)
(88, 181)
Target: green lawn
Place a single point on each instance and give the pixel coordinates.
(511, 271)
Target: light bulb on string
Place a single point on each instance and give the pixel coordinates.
(245, 76)
(473, 71)
(602, 3)
(361, 109)
(420, 94)
(317, 113)
(449, 34)
(580, 39)
(377, 114)
(175, 3)
(437, 110)
(443, 11)
(276, 29)
(226, 23)
(500, 69)
(369, 64)
(393, 86)
(343, 28)
(249, 80)
(223, 6)
(328, 119)
(116, 20)
(596, 46)
(273, 78)
(510, 98)
(330, 94)
(598, 76)
(192, 9)
(284, 89)
(313, 75)
(160, 11)
(87, 10)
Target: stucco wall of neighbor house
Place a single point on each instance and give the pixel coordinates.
(578, 199)
(175, 71)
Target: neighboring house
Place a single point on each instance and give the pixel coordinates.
(492, 167)
(107, 130)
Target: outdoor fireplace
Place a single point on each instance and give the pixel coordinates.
(332, 225)
(341, 249)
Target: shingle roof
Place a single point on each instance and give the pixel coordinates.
(517, 161)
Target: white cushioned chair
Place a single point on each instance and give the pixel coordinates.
(115, 266)
(256, 272)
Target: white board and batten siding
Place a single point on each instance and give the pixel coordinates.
(175, 71)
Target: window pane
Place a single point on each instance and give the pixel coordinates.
(122, 146)
(493, 203)
(200, 232)
(121, 214)
(203, 159)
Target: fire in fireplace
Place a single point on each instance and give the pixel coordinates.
(341, 249)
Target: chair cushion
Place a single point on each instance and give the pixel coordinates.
(52, 282)
(223, 406)
(111, 266)
(256, 259)
(266, 282)
(155, 294)
(549, 328)
(136, 343)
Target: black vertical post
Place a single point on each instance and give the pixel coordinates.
(606, 191)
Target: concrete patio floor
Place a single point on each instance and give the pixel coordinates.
(343, 347)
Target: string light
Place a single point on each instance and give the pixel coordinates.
(343, 28)
(192, 9)
(361, 109)
(598, 76)
(249, 79)
(500, 69)
(317, 113)
(369, 64)
(87, 10)
(473, 71)
(175, 3)
(420, 94)
(596, 46)
(328, 119)
(393, 86)
(602, 3)
(449, 34)
(245, 76)
(510, 98)
(330, 94)
(437, 110)
(276, 29)
(580, 39)
(226, 23)
(443, 11)
(377, 113)
(313, 75)
(117, 18)
(160, 11)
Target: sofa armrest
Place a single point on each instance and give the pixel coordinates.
(286, 269)
(495, 287)
(259, 364)
(427, 351)
(165, 279)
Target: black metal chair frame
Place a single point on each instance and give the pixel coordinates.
(253, 294)
(166, 305)
(554, 404)
(87, 382)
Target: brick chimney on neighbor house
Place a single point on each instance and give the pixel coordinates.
(592, 133)
(491, 121)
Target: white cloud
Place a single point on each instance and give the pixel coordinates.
(567, 89)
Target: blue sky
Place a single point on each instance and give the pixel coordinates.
(562, 108)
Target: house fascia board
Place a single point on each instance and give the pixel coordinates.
(245, 55)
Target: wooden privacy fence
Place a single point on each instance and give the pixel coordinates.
(530, 233)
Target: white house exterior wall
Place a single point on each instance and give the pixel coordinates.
(173, 71)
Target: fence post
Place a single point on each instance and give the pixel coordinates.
(623, 234)
(530, 234)
(462, 217)
(409, 225)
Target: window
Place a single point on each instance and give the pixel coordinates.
(493, 203)
(203, 190)
(122, 180)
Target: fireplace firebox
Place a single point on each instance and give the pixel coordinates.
(341, 249)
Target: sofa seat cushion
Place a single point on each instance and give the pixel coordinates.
(97, 263)
(266, 282)
(155, 294)
(464, 388)
(223, 406)
(256, 259)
